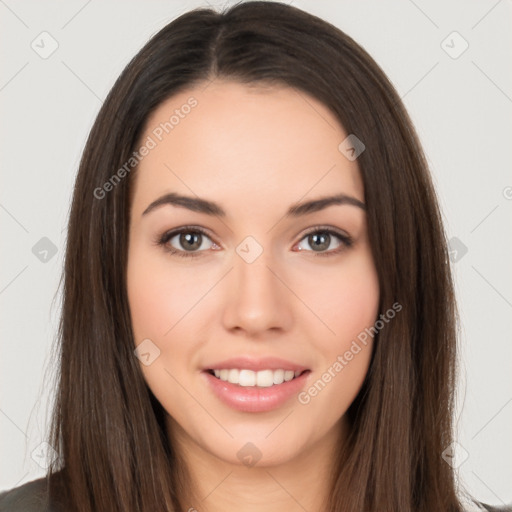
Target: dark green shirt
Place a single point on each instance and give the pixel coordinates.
(32, 497)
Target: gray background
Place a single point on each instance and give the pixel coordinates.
(460, 104)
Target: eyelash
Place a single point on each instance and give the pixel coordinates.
(162, 241)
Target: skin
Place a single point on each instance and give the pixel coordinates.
(255, 151)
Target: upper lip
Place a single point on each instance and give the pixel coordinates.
(256, 364)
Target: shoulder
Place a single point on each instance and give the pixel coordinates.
(478, 506)
(29, 497)
(33, 497)
(494, 508)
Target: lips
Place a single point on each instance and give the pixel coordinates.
(255, 399)
(251, 397)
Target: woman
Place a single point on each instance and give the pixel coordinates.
(258, 308)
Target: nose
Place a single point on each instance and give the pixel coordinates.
(258, 299)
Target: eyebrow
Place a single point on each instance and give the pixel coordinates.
(197, 204)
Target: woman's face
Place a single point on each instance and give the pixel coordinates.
(261, 282)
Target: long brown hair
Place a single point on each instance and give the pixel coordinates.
(107, 425)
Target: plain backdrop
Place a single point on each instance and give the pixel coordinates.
(449, 61)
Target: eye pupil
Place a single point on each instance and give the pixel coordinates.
(190, 240)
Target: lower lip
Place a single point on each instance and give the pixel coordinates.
(253, 398)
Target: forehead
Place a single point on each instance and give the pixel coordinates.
(248, 146)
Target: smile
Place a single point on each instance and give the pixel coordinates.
(255, 391)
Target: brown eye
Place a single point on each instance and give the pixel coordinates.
(321, 240)
(185, 242)
(190, 241)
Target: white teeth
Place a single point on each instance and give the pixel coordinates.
(288, 375)
(246, 378)
(263, 378)
(278, 377)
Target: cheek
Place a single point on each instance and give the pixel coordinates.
(159, 299)
(345, 298)
(151, 304)
(159, 295)
(350, 299)
(355, 313)
(167, 307)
